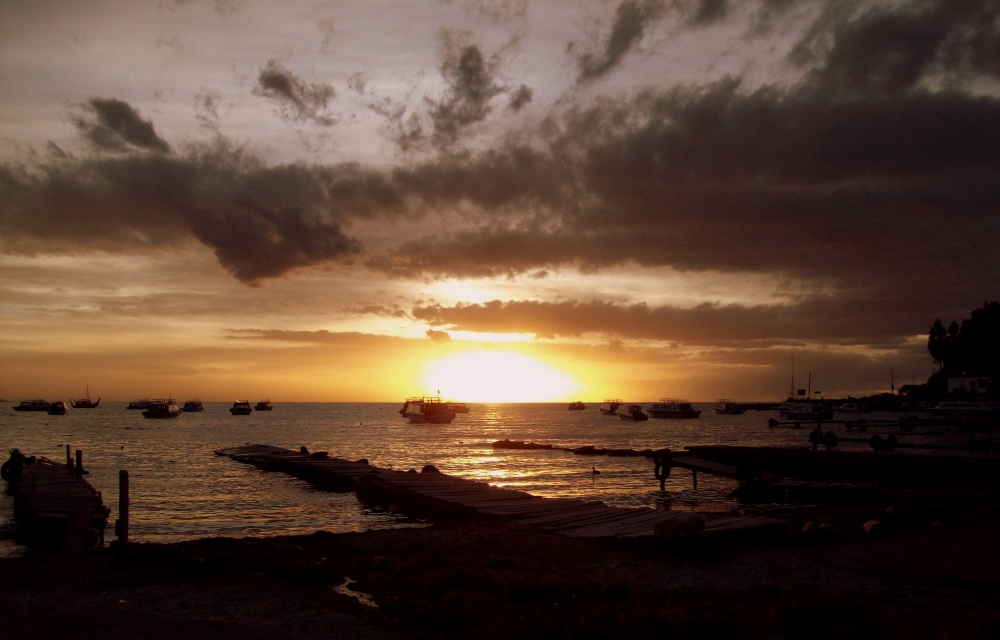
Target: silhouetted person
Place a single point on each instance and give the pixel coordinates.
(13, 470)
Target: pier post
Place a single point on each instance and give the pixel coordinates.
(79, 464)
(121, 524)
(694, 478)
(69, 460)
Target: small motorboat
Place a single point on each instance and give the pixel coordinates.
(193, 406)
(850, 407)
(162, 409)
(673, 408)
(139, 404)
(634, 412)
(728, 408)
(610, 406)
(57, 408)
(38, 404)
(577, 406)
(241, 408)
(264, 405)
(85, 403)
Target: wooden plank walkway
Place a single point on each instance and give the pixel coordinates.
(444, 494)
(56, 509)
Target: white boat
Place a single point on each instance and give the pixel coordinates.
(634, 412)
(805, 411)
(982, 410)
(728, 407)
(610, 406)
(673, 408)
(850, 407)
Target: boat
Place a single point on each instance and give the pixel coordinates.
(192, 406)
(982, 410)
(264, 405)
(634, 412)
(728, 408)
(850, 407)
(241, 408)
(427, 410)
(38, 404)
(673, 408)
(610, 406)
(577, 406)
(459, 407)
(792, 410)
(85, 404)
(162, 408)
(57, 408)
(139, 404)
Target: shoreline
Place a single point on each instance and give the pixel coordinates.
(937, 572)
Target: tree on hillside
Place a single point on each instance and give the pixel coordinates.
(972, 348)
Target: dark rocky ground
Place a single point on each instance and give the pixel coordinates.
(925, 579)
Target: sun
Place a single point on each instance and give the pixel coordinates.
(498, 376)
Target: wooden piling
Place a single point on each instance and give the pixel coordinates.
(69, 459)
(121, 524)
(79, 464)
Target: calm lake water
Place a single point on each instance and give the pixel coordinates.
(180, 490)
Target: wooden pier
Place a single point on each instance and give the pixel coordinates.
(432, 494)
(57, 509)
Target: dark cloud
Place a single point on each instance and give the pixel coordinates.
(113, 125)
(343, 338)
(298, 100)
(631, 19)
(520, 97)
(438, 336)
(710, 11)
(471, 87)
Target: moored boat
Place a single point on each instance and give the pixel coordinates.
(982, 410)
(805, 411)
(241, 408)
(162, 408)
(264, 405)
(577, 406)
(634, 412)
(85, 403)
(459, 407)
(57, 408)
(427, 410)
(673, 408)
(139, 404)
(193, 406)
(610, 406)
(728, 407)
(38, 404)
(849, 407)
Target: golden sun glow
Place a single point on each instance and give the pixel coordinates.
(498, 376)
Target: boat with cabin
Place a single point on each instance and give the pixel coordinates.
(459, 407)
(818, 411)
(193, 406)
(850, 408)
(264, 405)
(57, 408)
(728, 407)
(139, 404)
(162, 408)
(975, 410)
(38, 404)
(673, 408)
(634, 413)
(427, 410)
(241, 408)
(577, 406)
(610, 406)
(85, 403)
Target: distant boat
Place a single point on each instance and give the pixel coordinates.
(577, 406)
(264, 405)
(728, 407)
(57, 408)
(673, 408)
(805, 411)
(429, 410)
(139, 404)
(193, 406)
(850, 407)
(634, 412)
(38, 404)
(458, 407)
(610, 406)
(241, 408)
(85, 404)
(162, 409)
(989, 410)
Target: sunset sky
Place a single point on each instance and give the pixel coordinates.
(506, 200)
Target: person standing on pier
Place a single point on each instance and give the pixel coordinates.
(13, 470)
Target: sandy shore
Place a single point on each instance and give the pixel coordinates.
(925, 579)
